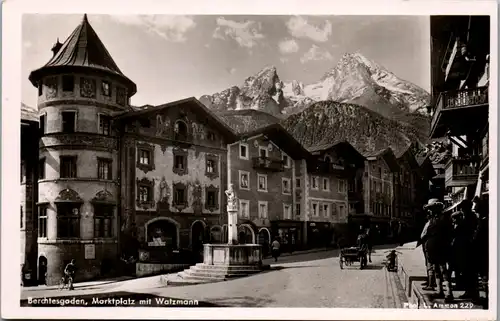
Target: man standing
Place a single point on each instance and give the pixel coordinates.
(467, 257)
(437, 243)
(430, 284)
(275, 249)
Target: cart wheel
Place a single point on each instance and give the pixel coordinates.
(341, 263)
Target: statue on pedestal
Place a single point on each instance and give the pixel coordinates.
(232, 200)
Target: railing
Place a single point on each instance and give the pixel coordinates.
(325, 167)
(461, 169)
(268, 163)
(459, 99)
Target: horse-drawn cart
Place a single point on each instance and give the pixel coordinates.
(353, 254)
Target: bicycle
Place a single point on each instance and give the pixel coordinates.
(66, 283)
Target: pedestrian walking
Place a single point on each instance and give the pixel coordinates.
(275, 249)
(437, 241)
(369, 242)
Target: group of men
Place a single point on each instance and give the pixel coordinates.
(456, 244)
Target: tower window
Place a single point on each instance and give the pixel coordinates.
(41, 168)
(42, 124)
(104, 169)
(104, 124)
(106, 89)
(68, 166)
(68, 121)
(68, 83)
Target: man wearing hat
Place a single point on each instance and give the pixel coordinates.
(431, 280)
(436, 238)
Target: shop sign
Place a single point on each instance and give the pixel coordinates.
(89, 251)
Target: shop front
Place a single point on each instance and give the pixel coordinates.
(289, 234)
(319, 234)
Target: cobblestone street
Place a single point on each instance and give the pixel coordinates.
(303, 280)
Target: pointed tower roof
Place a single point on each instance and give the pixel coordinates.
(82, 49)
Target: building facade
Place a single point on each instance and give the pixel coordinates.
(460, 47)
(173, 177)
(381, 172)
(266, 167)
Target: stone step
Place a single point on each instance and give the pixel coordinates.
(217, 274)
(202, 269)
(229, 267)
(211, 278)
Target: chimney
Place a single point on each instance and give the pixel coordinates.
(57, 46)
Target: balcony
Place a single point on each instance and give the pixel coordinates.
(461, 172)
(267, 163)
(460, 112)
(322, 167)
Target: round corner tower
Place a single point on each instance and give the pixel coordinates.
(80, 89)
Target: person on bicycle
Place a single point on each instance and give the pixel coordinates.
(69, 272)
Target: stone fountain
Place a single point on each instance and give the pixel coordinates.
(225, 261)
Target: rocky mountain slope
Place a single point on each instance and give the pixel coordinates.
(326, 122)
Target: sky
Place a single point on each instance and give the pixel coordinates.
(172, 57)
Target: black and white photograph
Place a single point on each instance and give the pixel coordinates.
(251, 159)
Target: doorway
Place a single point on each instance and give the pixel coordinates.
(42, 270)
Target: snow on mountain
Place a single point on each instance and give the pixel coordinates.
(355, 79)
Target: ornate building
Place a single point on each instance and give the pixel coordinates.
(79, 90)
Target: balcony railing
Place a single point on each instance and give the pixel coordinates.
(268, 163)
(325, 167)
(461, 170)
(459, 99)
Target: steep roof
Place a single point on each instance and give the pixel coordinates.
(388, 156)
(83, 48)
(191, 101)
(282, 138)
(344, 147)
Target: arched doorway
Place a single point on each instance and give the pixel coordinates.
(162, 232)
(216, 234)
(42, 270)
(197, 236)
(264, 240)
(246, 234)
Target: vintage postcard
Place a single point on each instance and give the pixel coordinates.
(293, 160)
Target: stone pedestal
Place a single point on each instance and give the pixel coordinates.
(231, 254)
(232, 226)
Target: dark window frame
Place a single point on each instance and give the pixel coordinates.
(103, 220)
(183, 202)
(214, 191)
(184, 136)
(42, 219)
(101, 161)
(73, 171)
(67, 126)
(22, 218)
(183, 155)
(42, 122)
(143, 147)
(103, 92)
(41, 168)
(147, 185)
(68, 83)
(215, 160)
(104, 126)
(71, 219)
